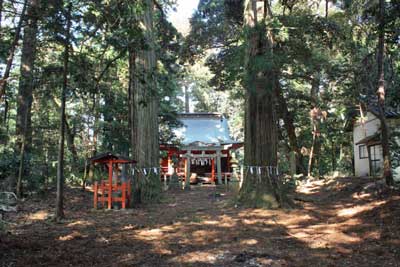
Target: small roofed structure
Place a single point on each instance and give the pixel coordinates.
(365, 125)
(204, 149)
(112, 189)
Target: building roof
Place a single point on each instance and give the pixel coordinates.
(370, 140)
(389, 114)
(204, 129)
(353, 113)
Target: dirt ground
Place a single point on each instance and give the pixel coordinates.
(339, 222)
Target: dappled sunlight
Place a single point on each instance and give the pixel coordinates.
(71, 236)
(205, 236)
(149, 235)
(211, 222)
(39, 215)
(348, 212)
(196, 256)
(331, 230)
(80, 223)
(249, 242)
(128, 227)
(227, 221)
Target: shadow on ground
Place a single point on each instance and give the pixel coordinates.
(338, 224)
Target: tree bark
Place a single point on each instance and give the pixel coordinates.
(260, 188)
(287, 117)
(26, 85)
(10, 59)
(70, 137)
(60, 166)
(313, 161)
(143, 102)
(1, 12)
(387, 166)
(326, 8)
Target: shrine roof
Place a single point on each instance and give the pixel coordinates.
(204, 129)
(108, 156)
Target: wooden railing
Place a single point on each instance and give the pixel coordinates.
(105, 193)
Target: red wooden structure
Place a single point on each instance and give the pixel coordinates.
(107, 190)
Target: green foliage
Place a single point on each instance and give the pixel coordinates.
(337, 53)
(97, 98)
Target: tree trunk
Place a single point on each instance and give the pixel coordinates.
(60, 165)
(10, 59)
(108, 119)
(314, 151)
(26, 84)
(1, 11)
(333, 155)
(260, 188)
(315, 122)
(70, 137)
(143, 102)
(326, 8)
(387, 166)
(21, 163)
(95, 135)
(290, 129)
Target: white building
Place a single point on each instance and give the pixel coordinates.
(368, 159)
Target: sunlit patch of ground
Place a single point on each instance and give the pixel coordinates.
(349, 212)
(79, 223)
(38, 216)
(335, 225)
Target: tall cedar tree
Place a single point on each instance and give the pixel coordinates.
(143, 111)
(26, 85)
(387, 168)
(60, 166)
(11, 54)
(261, 138)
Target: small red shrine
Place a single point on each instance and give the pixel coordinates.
(204, 150)
(114, 189)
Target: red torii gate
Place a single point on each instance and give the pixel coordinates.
(106, 187)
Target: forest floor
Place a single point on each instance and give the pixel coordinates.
(338, 223)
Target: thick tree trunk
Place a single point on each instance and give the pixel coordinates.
(60, 166)
(26, 85)
(387, 166)
(143, 102)
(10, 59)
(260, 188)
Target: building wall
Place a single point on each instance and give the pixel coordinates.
(394, 125)
(360, 131)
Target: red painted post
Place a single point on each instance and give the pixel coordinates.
(213, 169)
(95, 195)
(110, 172)
(185, 168)
(129, 192)
(102, 193)
(123, 195)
